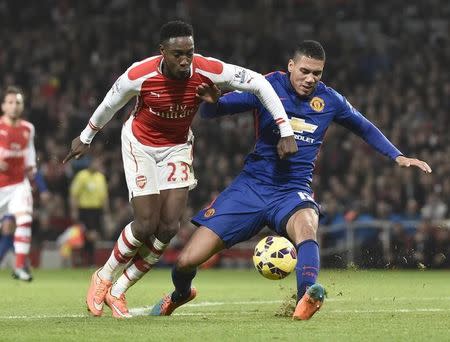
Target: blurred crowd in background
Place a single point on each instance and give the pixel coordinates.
(389, 58)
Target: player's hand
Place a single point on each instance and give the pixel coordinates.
(45, 196)
(31, 172)
(3, 165)
(77, 150)
(286, 147)
(208, 93)
(407, 162)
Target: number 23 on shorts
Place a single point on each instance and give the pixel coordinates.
(178, 172)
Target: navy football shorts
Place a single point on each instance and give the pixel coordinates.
(248, 205)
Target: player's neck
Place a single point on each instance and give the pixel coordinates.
(165, 71)
(11, 121)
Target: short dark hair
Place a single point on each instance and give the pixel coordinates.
(173, 29)
(311, 49)
(13, 90)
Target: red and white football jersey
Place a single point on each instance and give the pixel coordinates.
(166, 107)
(16, 150)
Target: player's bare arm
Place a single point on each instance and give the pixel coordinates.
(408, 162)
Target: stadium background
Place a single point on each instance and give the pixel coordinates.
(389, 58)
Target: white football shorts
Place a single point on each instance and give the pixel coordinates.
(16, 199)
(148, 170)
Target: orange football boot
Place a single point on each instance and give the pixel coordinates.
(310, 303)
(166, 306)
(118, 306)
(96, 294)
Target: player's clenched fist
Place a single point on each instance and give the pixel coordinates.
(77, 150)
(286, 147)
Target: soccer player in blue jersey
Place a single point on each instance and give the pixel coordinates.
(274, 192)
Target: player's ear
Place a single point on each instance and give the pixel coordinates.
(161, 49)
(291, 65)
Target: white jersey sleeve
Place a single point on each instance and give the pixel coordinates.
(239, 78)
(120, 93)
(30, 155)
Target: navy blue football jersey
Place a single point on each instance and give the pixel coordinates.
(309, 117)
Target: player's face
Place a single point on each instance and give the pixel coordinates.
(12, 106)
(305, 74)
(178, 54)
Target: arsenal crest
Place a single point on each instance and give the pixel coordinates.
(141, 181)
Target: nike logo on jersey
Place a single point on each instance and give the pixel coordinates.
(155, 94)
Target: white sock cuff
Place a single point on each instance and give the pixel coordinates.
(22, 247)
(24, 220)
(23, 231)
(159, 245)
(130, 237)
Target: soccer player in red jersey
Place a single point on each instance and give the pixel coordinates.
(17, 164)
(157, 146)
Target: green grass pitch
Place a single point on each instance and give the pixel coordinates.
(233, 305)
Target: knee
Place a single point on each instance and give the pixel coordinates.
(167, 230)
(303, 228)
(184, 263)
(145, 226)
(308, 229)
(8, 227)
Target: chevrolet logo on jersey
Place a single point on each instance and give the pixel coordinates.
(300, 126)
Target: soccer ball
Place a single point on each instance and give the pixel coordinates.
(274, 257)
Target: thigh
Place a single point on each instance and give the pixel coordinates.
(173, 204)
(287, 205)
(21, 202)
(236, 215)
(6, 194)
(141, 172)
(302, 225)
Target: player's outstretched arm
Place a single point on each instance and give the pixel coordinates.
(236, 102)
(352, 119)
(408, 162)
(119, 94)
(239, 78)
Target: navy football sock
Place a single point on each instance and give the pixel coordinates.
(6, 243)
(182, 282)
(308, 264)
